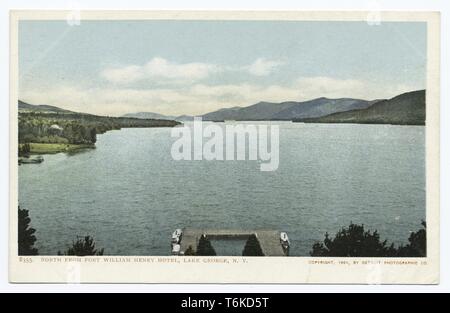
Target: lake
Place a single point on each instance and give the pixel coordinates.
(129, 194)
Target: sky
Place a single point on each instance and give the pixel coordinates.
(195, 67)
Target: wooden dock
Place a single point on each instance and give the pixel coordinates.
(269, 240)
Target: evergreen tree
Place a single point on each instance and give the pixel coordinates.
(418, 241)
(26, 234)
(204, 247)
(252, 247)
(417, 246)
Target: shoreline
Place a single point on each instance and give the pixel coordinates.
(53, 148)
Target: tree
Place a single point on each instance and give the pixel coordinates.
(252, 247)
(24, 149)
(204, 247)
(417, 246)
(93, 135)
(26, 234)
(353, 241)
(83, 247)
(418, 241)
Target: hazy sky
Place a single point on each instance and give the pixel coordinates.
(193, 67)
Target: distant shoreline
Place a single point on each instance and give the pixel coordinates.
(359, 123)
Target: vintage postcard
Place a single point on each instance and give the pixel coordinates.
(224, 147)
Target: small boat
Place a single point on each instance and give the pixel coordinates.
(176, 235)
(284, 237)
(176, 248)
(284, 240)
(31, 160)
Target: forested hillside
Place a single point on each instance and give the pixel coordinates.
(75, 128)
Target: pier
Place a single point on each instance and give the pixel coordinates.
(269, 240)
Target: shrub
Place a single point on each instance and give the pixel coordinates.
(83, 247)
(189, 251)
(354, 241)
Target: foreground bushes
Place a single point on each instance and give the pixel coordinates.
(83, 246)
(354, 241)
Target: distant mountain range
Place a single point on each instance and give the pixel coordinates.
(405, 109)
(272, 111)
(408, 109)
(23, 107)
(287, 110)
(152, 115)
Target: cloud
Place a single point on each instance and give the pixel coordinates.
(127, 74)
(159, 68)
(263, 67)
(163, 70)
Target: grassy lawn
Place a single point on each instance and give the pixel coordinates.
(50, 148)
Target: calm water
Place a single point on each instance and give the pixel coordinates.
(130, 195)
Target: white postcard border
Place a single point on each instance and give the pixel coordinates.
(160, 269)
